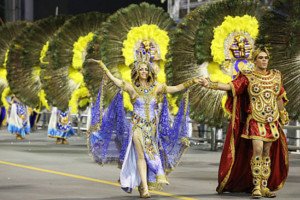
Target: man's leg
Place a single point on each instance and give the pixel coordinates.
(256, 162)
(266, 171)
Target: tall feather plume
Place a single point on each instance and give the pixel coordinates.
(23, 64)
(55, 76)
(93, 74)
(110, 41)
(8, 32)
(119, 24)
(190, 47)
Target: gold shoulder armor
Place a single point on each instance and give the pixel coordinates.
(246, 72)
(276, 71)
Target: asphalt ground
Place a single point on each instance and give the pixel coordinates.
(37, 168)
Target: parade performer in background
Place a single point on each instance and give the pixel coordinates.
(34, 117)
(255, 154)
(2, 116)
(151, 147)
(18, 122)
(60, 126)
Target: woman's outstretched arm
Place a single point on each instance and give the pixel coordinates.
(177, 88)
(118, 82)
(214, 85)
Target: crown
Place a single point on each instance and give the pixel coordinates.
(146, 52)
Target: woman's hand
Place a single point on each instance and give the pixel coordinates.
(107, 75)
(205, 82)
(202, 81)
(100, 63)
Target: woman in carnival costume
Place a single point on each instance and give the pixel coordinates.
(18, 122)
(255, 143)
(148, 148)
(60, 126)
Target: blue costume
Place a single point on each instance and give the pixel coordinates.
(163, 144)
(18, 122)
(60, 125)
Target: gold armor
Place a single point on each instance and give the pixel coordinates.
(255, 164)
(263, 92)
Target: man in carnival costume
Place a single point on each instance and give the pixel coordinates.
(255, 154)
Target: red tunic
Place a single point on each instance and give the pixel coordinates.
(251, 128)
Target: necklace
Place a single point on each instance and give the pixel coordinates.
(145, 89)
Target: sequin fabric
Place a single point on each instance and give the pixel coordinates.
(164, 140)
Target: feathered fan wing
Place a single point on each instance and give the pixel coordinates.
(7, 33)
(23, 64)
(280, 29)
(93, 74)
(191, 46)
(119, 24)
(128, 26)
(67, 50)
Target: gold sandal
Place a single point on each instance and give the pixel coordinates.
(267, 193)
(256, 193)
(143, 194)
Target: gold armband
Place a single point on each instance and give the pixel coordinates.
(212, 85)
(284, 117)
(188, 83)
(185, 141)
(105, 70)
(164, 89)
(103, 67)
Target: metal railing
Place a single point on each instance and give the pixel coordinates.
(214, 137)
(210, 137)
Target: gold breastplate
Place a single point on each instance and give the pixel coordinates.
(263, 91)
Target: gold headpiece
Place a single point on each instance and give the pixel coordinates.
(241, 47)
(238, 45)
(147, 52)
(238, 49)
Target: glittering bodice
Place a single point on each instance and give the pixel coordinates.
(145, 105)
(145, 108)
(263, 91)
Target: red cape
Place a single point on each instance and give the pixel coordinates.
(234, 170)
